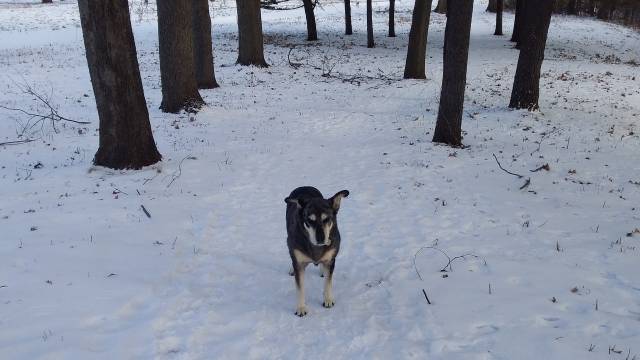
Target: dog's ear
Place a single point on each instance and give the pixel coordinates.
(335, 199)
(297, 202)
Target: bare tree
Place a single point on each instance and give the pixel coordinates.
(250, 42)
(126, 141)
(441, 8)
(347, 17)
(177, 65)
(392, 22)
(202, 45)
(312, 32)
(493, 6)
(526, 85)
(414, 67)
(370, 42)
(454, 74)
(518, 22)
(499, 8)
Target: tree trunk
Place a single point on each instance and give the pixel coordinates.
(493, 6)
(202, 45)
(392, 22)
(518, 22)
(454, 74)
(414, 67)
(499, 8)
(250, 43)
(526, 89)
(347, 17)
(312, 32)
(370, 42)
(47, 1)
(177, 65)
(126, 141)
(441, 8)
(572, 7)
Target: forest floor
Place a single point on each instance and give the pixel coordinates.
(550, 270)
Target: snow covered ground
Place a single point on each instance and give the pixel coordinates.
(552, 271)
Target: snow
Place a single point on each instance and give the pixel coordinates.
(84, 273)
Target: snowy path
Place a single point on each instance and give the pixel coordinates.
(206, 276)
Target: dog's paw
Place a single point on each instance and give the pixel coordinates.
(328, 303)
(301, 311)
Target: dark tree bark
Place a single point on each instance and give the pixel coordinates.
(441, 8)
(499, 8)
(347, 17)
(370, 42)
(526, 89)
(250, 43)
(47, 1)
(454, 74)
(392, 22)
(493, 6)
(177, 65)
(414, 67)
(572, 7)
(518, 22)
(312, 32)
(202, 45)
(126, 141)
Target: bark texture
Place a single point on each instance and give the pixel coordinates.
(414, 67)
(250, 42)
(370, 42)
(312, 32)
(126, 141)
(526, 85)
(456, 51)
(203, 46)
(177, 65)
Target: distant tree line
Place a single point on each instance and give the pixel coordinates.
(626, 12)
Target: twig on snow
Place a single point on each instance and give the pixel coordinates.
(505, 170)
(145, 211)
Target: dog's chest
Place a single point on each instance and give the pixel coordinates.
(323, 257)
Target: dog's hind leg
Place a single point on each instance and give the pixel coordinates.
(328, 277)
(301, 308)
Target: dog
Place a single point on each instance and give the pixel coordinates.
(313, 237)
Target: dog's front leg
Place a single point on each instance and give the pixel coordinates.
(298, 269)
(328, 277)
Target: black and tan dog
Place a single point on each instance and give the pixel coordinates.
(313, 237)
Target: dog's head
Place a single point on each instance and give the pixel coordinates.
(318, 216)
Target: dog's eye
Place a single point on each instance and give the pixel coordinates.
(312, 217)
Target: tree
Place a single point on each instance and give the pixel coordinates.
(454, 74)
(370, 43)
(518, 22)
(347, 17)
(312, 33)
(392, 22)
(441, 8)
(499, 8)
(493, 6)
(202, 45)
(526, 89)
(126, 141)
(177, 65)
(250, 45)
(414, 67)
